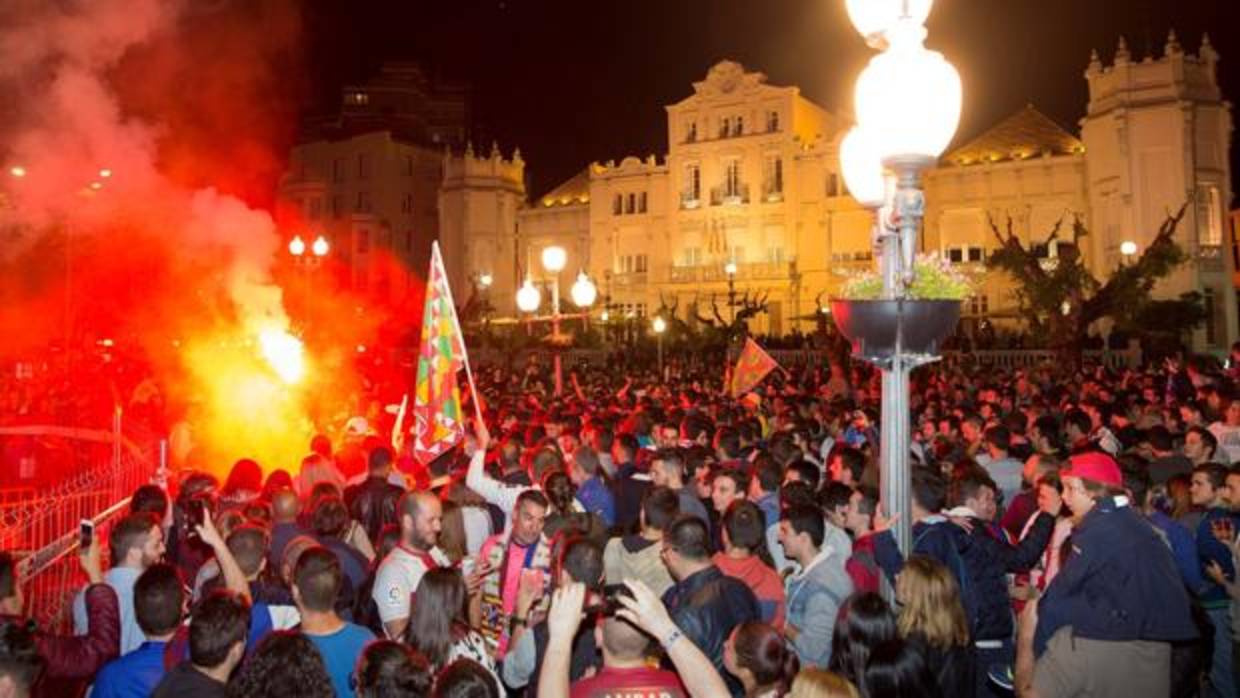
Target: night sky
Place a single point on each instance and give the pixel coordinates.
(574, 82)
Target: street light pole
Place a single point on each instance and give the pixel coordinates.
(555, 332)
(908, 107)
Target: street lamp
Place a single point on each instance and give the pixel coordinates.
(320, 247)
(730, 270)
(528, 297)
(908, 103)
(1127, 248)
(554, 258)
(584, 292)
(297, 246)
(659, 326)
(485, 280)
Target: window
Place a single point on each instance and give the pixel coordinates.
(406, 203)
(725, 126)
(773, 176)
(363, 241)
(975, 254)
(337, 170)
(641, 202)
(631, 205)
(314, 208)
(359, 98)
(633, 264)
(363, 202)
(693, 182)
(409, 239)
(979, 305)
(738, 126)
(408, 165)
(737, 254)
(691, 132)
(693, 257)
(967, 253)
(775, 255)
(955, 255)
(363, 166)
(1209, 216)
(772, 121)
(337, 206)
(617, 205)
(732, 178)
(833, 184)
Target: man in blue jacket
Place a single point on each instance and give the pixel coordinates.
(1106, 622)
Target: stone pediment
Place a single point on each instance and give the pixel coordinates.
(727, 78)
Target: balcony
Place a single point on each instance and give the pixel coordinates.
(729, 196)
(1208, 258)
(629, 278)
(688, 201)
(714, 273)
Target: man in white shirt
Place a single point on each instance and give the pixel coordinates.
(401, 571)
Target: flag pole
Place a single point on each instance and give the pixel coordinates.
(456, 325)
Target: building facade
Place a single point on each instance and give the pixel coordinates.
(751, 178)
(749, 202)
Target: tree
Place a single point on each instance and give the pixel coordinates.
(1061, 298)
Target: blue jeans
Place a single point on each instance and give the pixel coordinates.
(986, 658)
(1222, 676)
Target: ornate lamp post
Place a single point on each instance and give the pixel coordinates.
(730, 270)
(659, 325)
(908, 106)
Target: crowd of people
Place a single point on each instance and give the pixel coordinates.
(1074, 533)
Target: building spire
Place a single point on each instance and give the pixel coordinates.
(1121, 52)
(1207, 52)
(1095, 63)
(1172, 47)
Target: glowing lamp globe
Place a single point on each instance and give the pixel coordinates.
(862, 165)
(584, 291)
(1128, 248)
(528, 297)
(297, 246)
(730, 268)
(320, 247)
(909, 98)
(554, 258)
(659, 325)
(486, 280)
(872, 18)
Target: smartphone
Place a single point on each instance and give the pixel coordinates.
(86, 534)
(197, 512)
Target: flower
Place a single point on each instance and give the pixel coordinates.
(934, 278)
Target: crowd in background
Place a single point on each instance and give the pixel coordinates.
(648, 534)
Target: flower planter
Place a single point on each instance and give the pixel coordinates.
(874, 327)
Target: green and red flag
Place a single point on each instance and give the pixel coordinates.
(438, 420)
(752, 366)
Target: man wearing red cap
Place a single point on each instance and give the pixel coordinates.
(1105, 623)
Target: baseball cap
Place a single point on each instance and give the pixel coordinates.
(1098, 467)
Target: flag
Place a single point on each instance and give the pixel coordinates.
(751, 368)
(438, 422)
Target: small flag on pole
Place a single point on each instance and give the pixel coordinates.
(752, 366)
(438, 422)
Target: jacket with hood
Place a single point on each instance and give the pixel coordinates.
(634, 557)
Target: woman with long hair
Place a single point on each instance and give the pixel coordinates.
(438, 628)
(896, 670)
(388, 669)
(285, 664)
(932, 620)
(864, 621)
(244, 483)
(756, 654)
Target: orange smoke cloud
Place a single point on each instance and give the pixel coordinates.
(190, 106)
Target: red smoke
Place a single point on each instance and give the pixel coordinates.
(152, 135)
